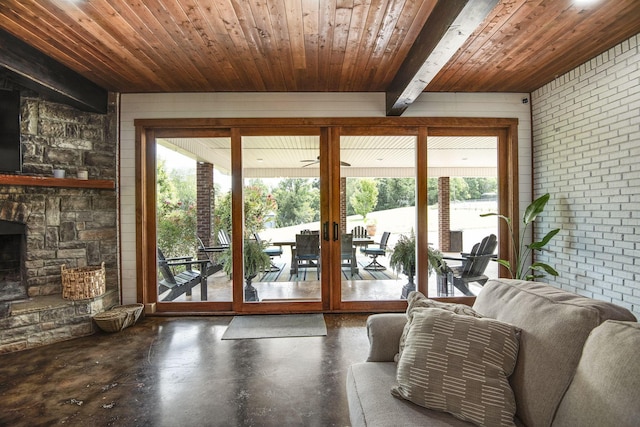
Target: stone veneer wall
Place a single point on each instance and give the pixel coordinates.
(72, 226)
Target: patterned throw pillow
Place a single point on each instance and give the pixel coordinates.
(459, 364)
(418, 302)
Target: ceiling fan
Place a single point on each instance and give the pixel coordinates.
(317, 160)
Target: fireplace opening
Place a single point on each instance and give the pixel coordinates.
(12, 250)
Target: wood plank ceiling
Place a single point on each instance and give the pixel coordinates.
(309, 45)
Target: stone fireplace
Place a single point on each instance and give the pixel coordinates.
(41, 229)
(46, 222)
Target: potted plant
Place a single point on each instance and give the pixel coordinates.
(403, 259)
(521, 251)
(371, 225)
(255, 261)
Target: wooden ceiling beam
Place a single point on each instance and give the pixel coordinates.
(444, 32)
(36, 71)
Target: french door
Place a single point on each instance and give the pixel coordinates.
(311, 180)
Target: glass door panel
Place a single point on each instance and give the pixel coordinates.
(282, 238)
(462, 185)
(193, 196)
(377, 198)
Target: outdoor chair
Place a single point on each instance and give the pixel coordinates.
(375, 251)
(307, 251)
(473, 265)
(272, 251)
(359, 231)
(177, 283)
(348, 253)
(213, 266)
(223, 238)
(307, 231)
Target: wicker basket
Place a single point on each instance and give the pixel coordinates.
(111, 321)
(119, 317)
(82, 282)
(133, 312)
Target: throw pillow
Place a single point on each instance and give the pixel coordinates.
(416, 301)
(459, 364)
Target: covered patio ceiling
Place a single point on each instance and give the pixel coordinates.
(368, 156)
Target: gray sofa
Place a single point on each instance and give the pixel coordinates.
(578, 363)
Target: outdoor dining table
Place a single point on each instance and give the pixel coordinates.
(357, 241)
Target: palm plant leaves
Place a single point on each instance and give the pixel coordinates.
(534, 209)
(521, 250)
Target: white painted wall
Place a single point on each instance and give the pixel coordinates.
(586, 152)
(254, 105)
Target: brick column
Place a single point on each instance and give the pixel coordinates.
(343, 205)
(204, 174)
(444, 218)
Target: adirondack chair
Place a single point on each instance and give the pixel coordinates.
(223, 238)
(359, 232)
(180, 283)
(213, 266)
(272, 251)
(473, 265)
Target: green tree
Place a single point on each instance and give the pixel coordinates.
(222, 212)
(479, 186)
(458, 189)
(462, 188)
(432, 191)
(395, 193)
(184, 184)
(315, 199)
(365, 197)
(352, 184)
(258, 202)
(175, 212)
(295, 198)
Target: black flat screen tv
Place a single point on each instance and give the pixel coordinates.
(10, 147)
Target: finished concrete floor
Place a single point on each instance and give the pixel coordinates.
(176, 371)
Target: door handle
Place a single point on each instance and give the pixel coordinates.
(325, 231)
(335, 231)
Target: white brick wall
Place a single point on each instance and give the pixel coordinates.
(586, 153)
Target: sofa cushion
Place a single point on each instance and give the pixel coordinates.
(384, 331)
(371, 405)
(459, 364)
(416, 301)
(555, 325)
(605, 390)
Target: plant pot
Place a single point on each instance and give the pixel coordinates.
(444, 284)
(250, 292)
(371, 230)
(409, 287)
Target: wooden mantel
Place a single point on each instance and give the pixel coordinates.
(46, 181)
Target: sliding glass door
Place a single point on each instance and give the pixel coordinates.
(312, 218)
(193, 209)
(378, 207)
(462, 185)
(282, 218)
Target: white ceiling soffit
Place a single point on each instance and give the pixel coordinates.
(369, 156)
